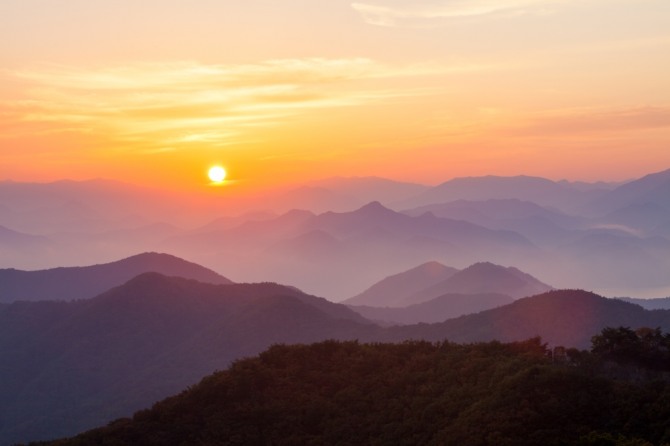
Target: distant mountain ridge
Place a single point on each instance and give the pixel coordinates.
(74, 365)
(561, 195)
(560, 317)
(661, 303)
(484, 277)
(439, 309)
(653, 188)
(10, 239)
(154, 335)
(394, 290)
(613, 238)
(314, 251)
(431, 280)
(69, 283)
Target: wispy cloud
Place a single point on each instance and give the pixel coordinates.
(580, 121)
(174, 105)
(436, 13)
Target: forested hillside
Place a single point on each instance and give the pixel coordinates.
(414, 393)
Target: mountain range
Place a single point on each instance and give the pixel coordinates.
(418, 393)
(433, 292)
(609, 237)
(83, 345)
(395, 290)
(70, 366)
(69, 283)
(562, 195)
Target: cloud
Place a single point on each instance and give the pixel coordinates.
(154, 106)
(581, 121)
(423, 13)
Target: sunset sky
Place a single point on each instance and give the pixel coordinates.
(154, 92)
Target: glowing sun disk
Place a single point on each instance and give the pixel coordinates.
(217, 174)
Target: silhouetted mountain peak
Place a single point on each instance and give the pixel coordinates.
(374, 208)
(487, 274)
(67, 283)
(393, 290)
(491, 268)
(483, 277)
(652, 188)
(561, 317)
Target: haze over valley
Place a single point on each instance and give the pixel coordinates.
(371, 222)
(613, 239)
(120, 334)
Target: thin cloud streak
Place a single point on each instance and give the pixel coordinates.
(431, 14)
(580, 121)
(168, 105)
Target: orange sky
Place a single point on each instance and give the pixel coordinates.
(154, 92)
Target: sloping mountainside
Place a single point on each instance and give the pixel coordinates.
(68, 283)
(662, 303)
(650, 189)
(314, 252)
(343, 194)
(439, 309)
(395, 289)
(562, 317)
(417, 393)
(545, 227)
(10, 239)
(561, 195)
(483, 277)
(69, 366)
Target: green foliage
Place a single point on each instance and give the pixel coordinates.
(348, 393)
(645, 346)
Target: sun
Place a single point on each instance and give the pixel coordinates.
(217, 174)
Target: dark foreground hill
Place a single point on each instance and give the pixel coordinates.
(561, 317)
(415, 393)
(68, 283)
(69, 366)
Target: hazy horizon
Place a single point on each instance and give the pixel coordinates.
(184, 184)
(156, 93)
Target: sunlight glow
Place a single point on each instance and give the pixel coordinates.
(217, 174)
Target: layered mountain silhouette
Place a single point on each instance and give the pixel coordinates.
(15, 240)
(560, 317)
(650, 189)
(314, 251)
(433, 293)
(609, 237)
(439, 309)
(344, 194)
(432, 280)
(562, 195)
(69, 366)
(68, 283)
(484, 277)
(543, 226)
(662, 303)
(73, 365)
(395, 290)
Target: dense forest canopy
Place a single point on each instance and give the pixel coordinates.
(348, 393)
